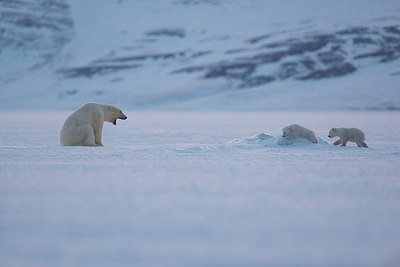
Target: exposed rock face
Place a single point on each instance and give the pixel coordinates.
(312, 57)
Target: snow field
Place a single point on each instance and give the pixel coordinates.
(198, 188)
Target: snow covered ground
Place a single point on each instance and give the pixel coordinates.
(199, 189)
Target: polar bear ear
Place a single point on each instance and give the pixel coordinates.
(289, 130)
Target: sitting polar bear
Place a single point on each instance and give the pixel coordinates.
(348, 134)
(295, 131)
(84, 127)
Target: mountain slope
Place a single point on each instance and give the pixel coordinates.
(213, 55)
(32, 34)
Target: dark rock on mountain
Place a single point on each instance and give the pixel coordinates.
(108, 65)
(364, 40)
(288, 69)
(163, 56)
(258, 38)
(330, 57)
(334, 71)
(256, 81)
(354, 31)
(235, 51)
(178, 32)
(385, 54)
(308, 63)
(190, 69)
(234, 70)
(198, 2)
(89, 71)
(265, 58)
(201, 53)
(392, 29)
(313, 44)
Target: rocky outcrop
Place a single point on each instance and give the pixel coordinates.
(311, 57)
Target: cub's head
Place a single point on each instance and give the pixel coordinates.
(287, 131)
(332, 133)
(113, 113)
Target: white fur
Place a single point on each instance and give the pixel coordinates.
(348, 135)
(296, 131)
(84, 127)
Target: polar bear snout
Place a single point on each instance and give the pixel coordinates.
(115, 121)
(286, 131)
(332, 133)
(122, 116)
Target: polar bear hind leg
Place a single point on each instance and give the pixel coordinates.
(86, 134)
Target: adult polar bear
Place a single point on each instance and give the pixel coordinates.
(84, 127)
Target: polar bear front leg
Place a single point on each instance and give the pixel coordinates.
(362, 144)
(98, 134)
(338, 142)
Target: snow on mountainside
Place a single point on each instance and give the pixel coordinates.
(201, 54)
(32, 34)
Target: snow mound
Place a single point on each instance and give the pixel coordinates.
(260, 140)
(255, 139)
(266, 139)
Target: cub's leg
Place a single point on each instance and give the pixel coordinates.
(338, 142)
(362, 144)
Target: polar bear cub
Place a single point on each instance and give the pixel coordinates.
(295, 131)
(348, 134)
(84, 127)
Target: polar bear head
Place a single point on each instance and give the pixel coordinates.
(287, 131)
(332, 133)
(111, 114)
